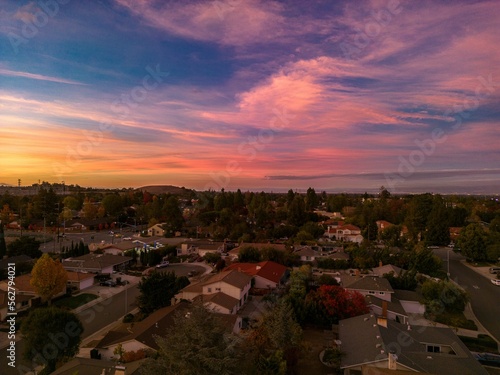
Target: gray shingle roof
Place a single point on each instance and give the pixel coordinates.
(378, 284)
(364, 341)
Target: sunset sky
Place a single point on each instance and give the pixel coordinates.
(337, 95)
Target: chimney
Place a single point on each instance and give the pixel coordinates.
(384, 309)
(356, 272)
(393, 360)
(380, 264)
(120, 370)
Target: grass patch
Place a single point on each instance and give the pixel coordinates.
(76, 301)
(483, 343)
(455, 320)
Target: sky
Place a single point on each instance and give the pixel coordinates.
(252, 94)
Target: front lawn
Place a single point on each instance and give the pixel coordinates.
(455, 320)
(76, 301)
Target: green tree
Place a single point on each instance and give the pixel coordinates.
(173, 214)
(438, 225)
(249, 254)
(158, 289)
(472, 242)
(424, 261)
(50, 335)
(311, 199)
(25, 245)
(444, 295)
(3, 246)
(113, 204)
(198, 343)
(48, 277)
(297, 211)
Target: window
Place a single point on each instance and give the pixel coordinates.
(433, 349)
(217, 289)
(381, 293)
(209, 290)
(371, 292)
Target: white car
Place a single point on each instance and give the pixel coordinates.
(495, 281)
(162, 264)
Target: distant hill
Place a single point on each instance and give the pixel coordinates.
(164, 189)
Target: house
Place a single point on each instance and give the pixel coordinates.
(141, 335)
(371, 342)
(232, 287)
(90, 366)
(97, 263)
(383, 225)
(369, 286)
(382, 270)
(201, 248)
(118, 248)
(26, 295)
(157, 230)
(344, 232)
(80, 280)
(266, 275)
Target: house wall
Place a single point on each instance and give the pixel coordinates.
(263, 283)
(128, 346)
(87, 283)
(413, 307)
(228, 289)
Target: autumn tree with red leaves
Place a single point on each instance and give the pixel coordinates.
(330, 303)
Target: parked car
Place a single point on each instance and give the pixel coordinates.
(162, 264)
(107, 283)
(495, 281)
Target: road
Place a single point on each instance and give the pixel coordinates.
(484, 295)
(93, 319)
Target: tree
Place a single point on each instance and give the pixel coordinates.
(51, 334)
(25, 245)
(444, 295)
(423, 260)
(158, 289)
(297, 211)
(113, 204)
(438, 224)
(48, 277)
(3, 246)
(173, 214)
(311, 199)
(249, 254)
(198, 343)
(330, 303)
(472, 242)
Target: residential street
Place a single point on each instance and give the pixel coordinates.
(484, 295)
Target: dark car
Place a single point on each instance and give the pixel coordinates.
(107, 283)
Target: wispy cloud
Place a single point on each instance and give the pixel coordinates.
(39, 77)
